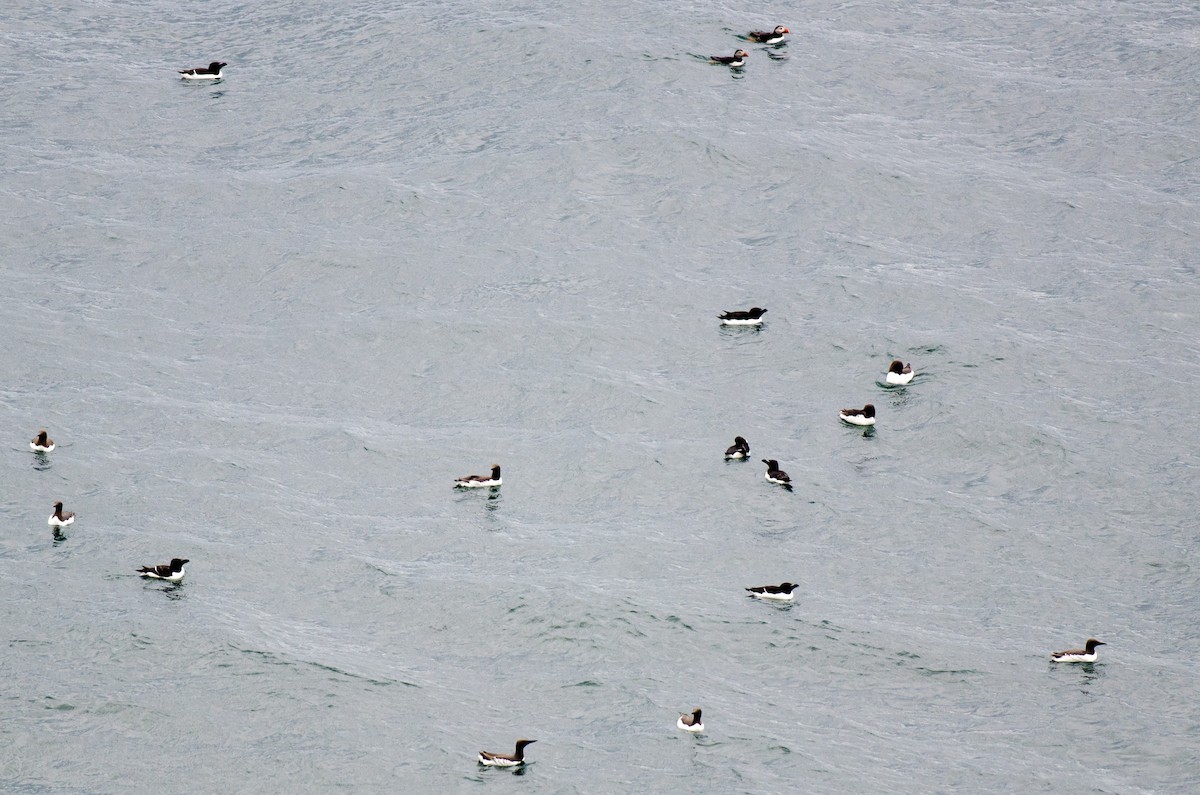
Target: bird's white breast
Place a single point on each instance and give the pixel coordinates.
(1084, 658)
(857, 419)
(479, 484)
(779, 597)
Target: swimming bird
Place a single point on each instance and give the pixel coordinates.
(480, 481)
(768, 36)
(738, 451)
(690, 723)
(737, 59)
(863, 416)
(775, 474)
(211, 72)
(782, 592)
(505, 760)
(751, 317)
(59, 518)
(1085, 655)
(899, 373)
(171, 572)
(41, 443)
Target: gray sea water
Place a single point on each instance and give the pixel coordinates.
(269, 320)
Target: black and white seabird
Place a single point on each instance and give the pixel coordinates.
(60, 518)
(41, 443)
(751, 317)
(739, 451)
(899, 373)
(781, 592)
(863, 416)
(211, 72)
(775, 474)
(1085, 655)
(506, 760)
(768, 36)
(171, 572)
(480, 481)
(737, 59)
(690, 723)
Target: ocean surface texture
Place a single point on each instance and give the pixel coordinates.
(269, 320)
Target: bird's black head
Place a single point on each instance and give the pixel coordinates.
(771, 463)
(740, 442)
(177, 563)
(869, 410)
(216, 66)
(897, 367)
(1093, 643)
(522, 743)
(58, 506)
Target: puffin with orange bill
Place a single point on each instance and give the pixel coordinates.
(768, 36)
(737, 59)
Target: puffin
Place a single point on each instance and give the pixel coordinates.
(737, 59)
(768, 36)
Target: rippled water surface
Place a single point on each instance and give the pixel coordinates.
(269, 320)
